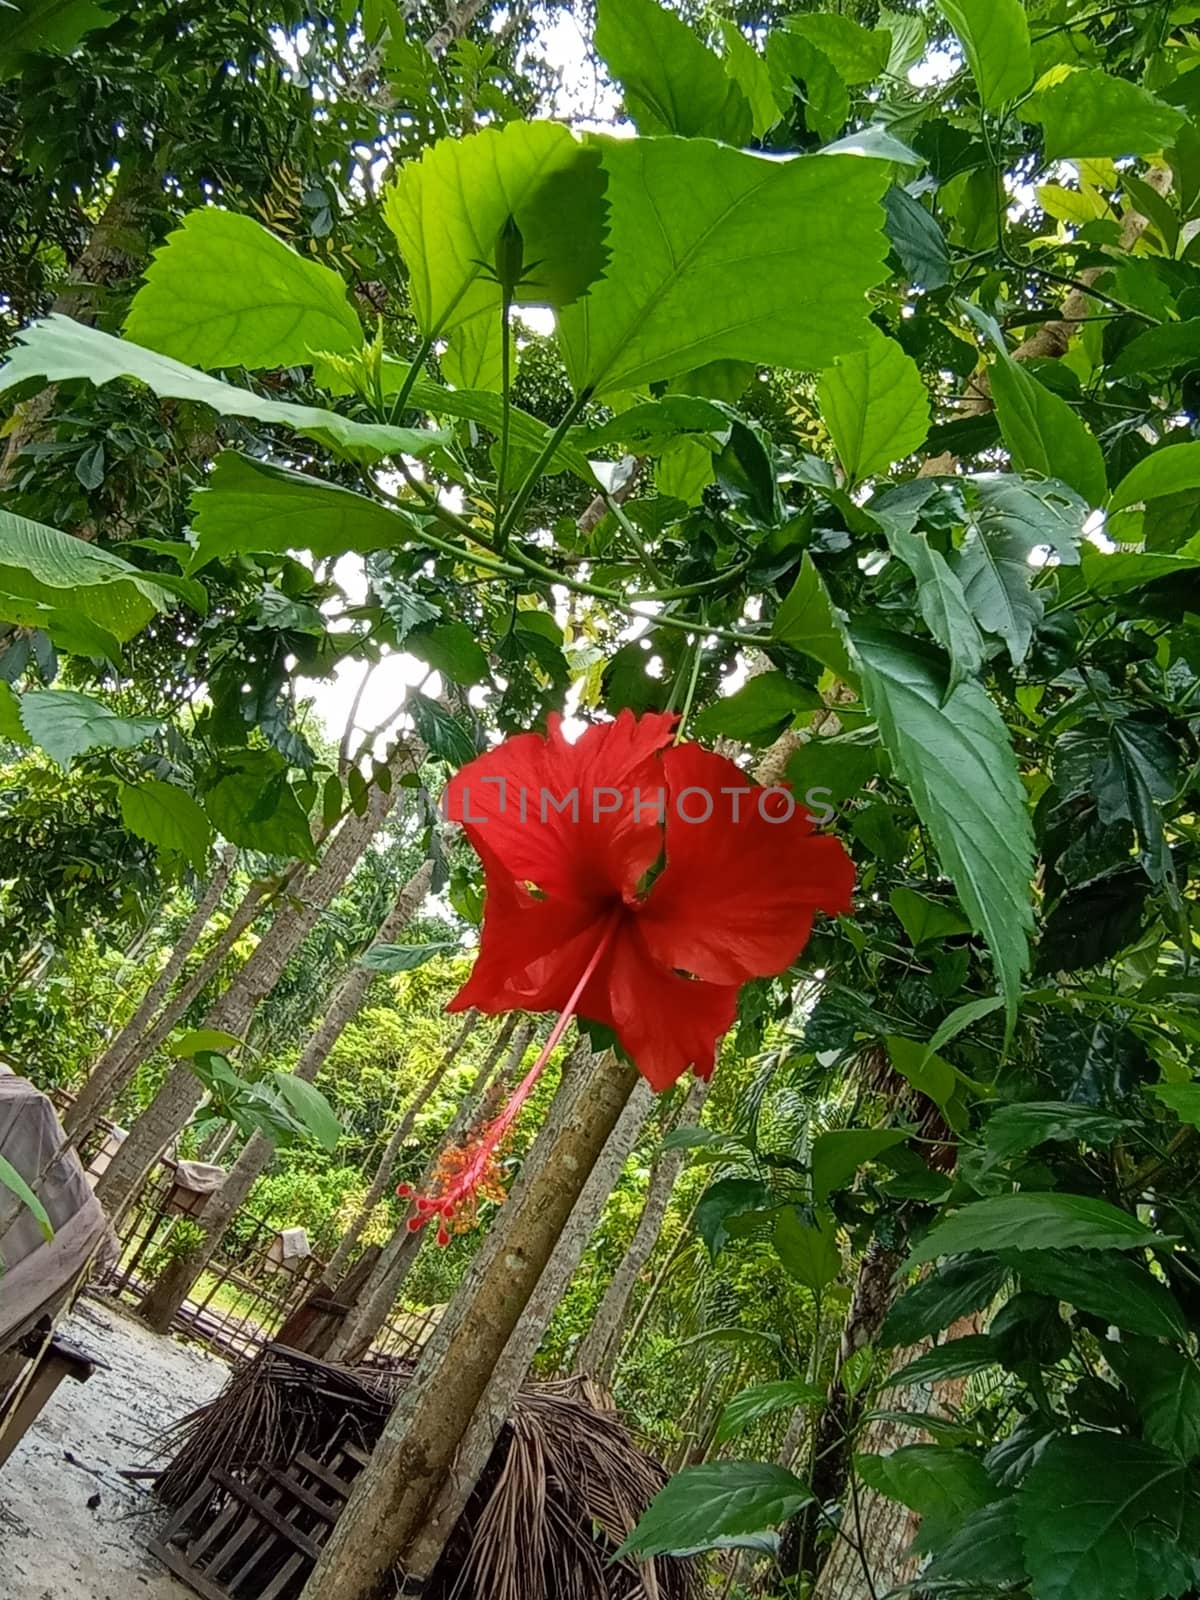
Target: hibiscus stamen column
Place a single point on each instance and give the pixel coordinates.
(470, 1173)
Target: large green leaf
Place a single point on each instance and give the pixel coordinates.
(953, 753)
(764, 1400)
(917, 239)
(393, 958)
(66, 724)
(957, 1288)
(45, 571)
(749, 71)
(806, 621)
(720, 1203)
(1165, 1385)
(954, 1358)
(1043, 434)
(12, 729)
(837, 1156)
(995, 41)
(165, 815)
(1091, 113)
(759, 711)
(708, 246)
(1125, 1293)
(981, 1550)
(224, 292)
(1162, 349)
(12, 1180)
(875, 405)
(943, 602)
(1014, 1129)
(1029, 1221)
(1008, 521)
(941, 1485)
(702, 1505)
(252, 804)
(809, 1250)
(858, 55)
(447, 211)
(57, 349)
(1131, 766)
(797, 68)
(40, 26)
(672, 82)
(1101, 1514)
(310, 1107)
(250, 505)
(1167, 471)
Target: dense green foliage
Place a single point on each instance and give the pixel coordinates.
(894, 451)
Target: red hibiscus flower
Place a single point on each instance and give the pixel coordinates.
(634, 883)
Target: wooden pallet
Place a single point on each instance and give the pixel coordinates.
(262, 1542)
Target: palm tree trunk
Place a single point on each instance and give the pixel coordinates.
(161, 1303)
(600, 1346)
(340, 1259)
(378, 1294)
(389, 1512)
(120, 1059)
(181, 1092)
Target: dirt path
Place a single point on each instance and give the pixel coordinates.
(53, 1544)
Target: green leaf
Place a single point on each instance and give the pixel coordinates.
(166, 816)
(310, 1107)
(995, 40)
(708, 244)
(809, 1250)
(474, 354)
(447, 211)
(47, 27)
(1165, 1386)
(250, 506)
(954, 755)
(1008, 522)
(1102, 1514)
(917, 240)
(405, 957)
(225, 292)
(1132, 768)
(1165, 349)
(58, 349)
(1118, 1288)
(722, 1201)
(962, 1018)
(12, 728)
(451, 649)
(929, 1075)
(923, 919)
(764, 1400)
(876, 406)
(66, 724)
(702, 1505)
(1044, 434)
(1167, 471)
(1182, 1098)
(205, 1039)
(806, 621)
(956, 1358)
(12, 1180)
(981, 1551)
(1029, 1221)
(1090, 113)
(834, 769)
(672, 82)
(757, 712)
(859, 55)
(253, 805)
(45, 571)
(836, 1157)
(440, 730)
(1014, 1129)
(959, 1287)
(798, 69)
(749, 71)
(942, 1486)
(942, 601)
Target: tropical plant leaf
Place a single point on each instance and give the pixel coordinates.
(809, 1250)
(57, 349)
(1165, 1385)
(917, 239)
(806, 621)
(703, 1504)
(876, 406)
(858, 55)
(714, 241)
(47, 26)
(672, 82)
(1043, 434)
(310, 1108)
(405, 957)
(759, 711)
(1118, 1288)
(749, 71)
(1028, 1221)
(982, 1550)
(1013, 1129)
(252, 804)
(995, 41)
(943, 602)
(12, 1180)
(960, 1286)
(956, 1358)
(66, 724)
(1166, 471)
(764, 1400)
(942, 1486)
(720, 1203)
(166, 816)
(1091, 113)
(837, 1156)
(954, 755)
(224, 291)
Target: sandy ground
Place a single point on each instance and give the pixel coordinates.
(70, 1527)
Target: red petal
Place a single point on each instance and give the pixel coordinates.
(665, 1023)
(531, 953)
(578, 820)
(736, 898)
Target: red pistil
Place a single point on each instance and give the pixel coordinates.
(471, 1172)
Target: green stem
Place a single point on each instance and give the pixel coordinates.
(506, 406)
(410, 378)
(545, 456)
(689, 697)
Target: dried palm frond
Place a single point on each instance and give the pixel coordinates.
(566, 1482)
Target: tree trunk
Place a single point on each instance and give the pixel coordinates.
(340, 1259)
(512, 1369)
(162, 1302)
(181, 1092)
(597, 1354)
(109, 1074)
(378, 1294)
(458, 19)
(396, 1494)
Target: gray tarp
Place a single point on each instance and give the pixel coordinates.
(37, 1277)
